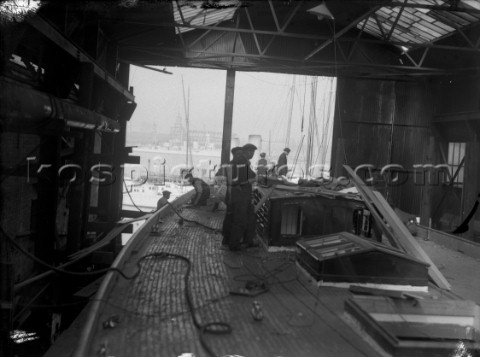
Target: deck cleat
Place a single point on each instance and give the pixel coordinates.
(256, 311)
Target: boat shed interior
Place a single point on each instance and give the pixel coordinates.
(407, 111)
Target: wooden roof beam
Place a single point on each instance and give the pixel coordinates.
(50, 32)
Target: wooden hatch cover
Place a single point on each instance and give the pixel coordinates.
(343, 259)
(423, 327)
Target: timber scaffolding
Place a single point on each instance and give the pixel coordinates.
(190, 296)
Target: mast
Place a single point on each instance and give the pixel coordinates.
(311, 125)
(189, 147)
(185, 106)
(289, 123)
(269, 141)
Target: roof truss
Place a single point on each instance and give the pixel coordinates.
(339, 45)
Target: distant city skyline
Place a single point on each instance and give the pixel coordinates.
(263, 106)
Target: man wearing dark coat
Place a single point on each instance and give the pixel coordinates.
(282, 167)
(240, 200)
(262, 169)
(226, 171)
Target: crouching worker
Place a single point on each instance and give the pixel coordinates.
(163, 201)
(202, 190)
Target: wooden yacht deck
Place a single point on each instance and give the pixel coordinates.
(185, 303)
(151, 316)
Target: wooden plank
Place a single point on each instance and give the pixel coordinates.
(423, 319)
(428, 331)
(369, 201)
(409, 242)
(319, 191)
(399, 232)
(385, 305)
(465, 246)
(358, 289)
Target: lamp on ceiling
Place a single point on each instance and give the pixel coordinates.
(321, 11)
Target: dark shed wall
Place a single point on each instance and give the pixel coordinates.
(380, 123)
(457, 119)
(457, 96)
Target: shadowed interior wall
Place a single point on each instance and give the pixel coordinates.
(381, 123)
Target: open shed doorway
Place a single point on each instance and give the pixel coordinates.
(178, 122)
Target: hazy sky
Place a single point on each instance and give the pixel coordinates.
(262, 103)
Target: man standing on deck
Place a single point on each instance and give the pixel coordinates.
(227, 172)
(202, 190)
(282, 167)
(241, 206)
(262, 169)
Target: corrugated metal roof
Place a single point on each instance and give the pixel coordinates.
(203, 13)
(419, 25)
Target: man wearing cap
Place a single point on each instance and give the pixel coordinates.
(160, 203)
(282, 167)
(202, 190)
(224, 177)
(221, 180)
(222, 171)
(164, 200)
(240, 202)
(262, 169)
